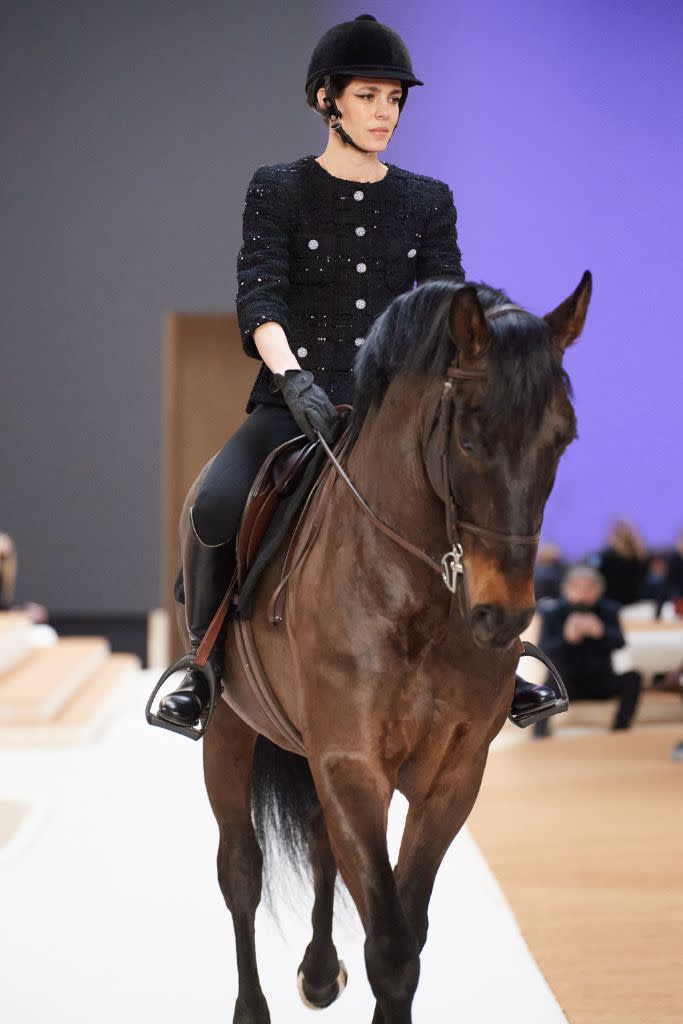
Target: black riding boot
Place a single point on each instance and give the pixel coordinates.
(532, 702)
(207, 569)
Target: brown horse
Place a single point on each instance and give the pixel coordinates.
(393, 682)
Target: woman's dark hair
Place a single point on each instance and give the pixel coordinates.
(339, 83)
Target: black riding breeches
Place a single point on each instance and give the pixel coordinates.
(625, 687)
(219, 503)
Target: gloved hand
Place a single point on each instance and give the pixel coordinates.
(308, 404)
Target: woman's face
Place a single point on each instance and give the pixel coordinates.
(369, 104)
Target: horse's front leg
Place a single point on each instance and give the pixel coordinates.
(431, 826)
(228, 757)
(322, 977)
(355, 795)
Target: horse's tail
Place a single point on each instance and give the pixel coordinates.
(283, 803)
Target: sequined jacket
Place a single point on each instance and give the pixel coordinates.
(323, 257)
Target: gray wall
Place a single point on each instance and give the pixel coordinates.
(128, 135)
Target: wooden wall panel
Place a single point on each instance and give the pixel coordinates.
(206, 382)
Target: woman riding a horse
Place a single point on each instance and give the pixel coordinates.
(328, 243)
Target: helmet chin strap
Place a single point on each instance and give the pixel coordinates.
(336, 115)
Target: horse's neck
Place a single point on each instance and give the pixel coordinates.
(386, 465)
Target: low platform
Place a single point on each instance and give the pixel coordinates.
(80, 718)
(55, 690)
(15, 639)
(39, 686)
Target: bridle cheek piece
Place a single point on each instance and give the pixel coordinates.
(452, 563)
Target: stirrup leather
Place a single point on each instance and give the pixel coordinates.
(557, 706)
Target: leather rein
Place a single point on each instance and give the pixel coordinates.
(450, 566)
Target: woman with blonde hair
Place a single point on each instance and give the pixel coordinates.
(623, 563)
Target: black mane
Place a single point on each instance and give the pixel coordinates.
(412, 336)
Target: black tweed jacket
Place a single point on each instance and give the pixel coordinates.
(323, 257)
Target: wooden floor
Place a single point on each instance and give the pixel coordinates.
(585, 836)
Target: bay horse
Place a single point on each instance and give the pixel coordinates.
(393, 681)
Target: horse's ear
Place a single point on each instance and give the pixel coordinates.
(468, 324)
(566, 322)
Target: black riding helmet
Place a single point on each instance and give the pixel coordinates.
(363, 48)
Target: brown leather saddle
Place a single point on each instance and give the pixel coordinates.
(282, 490)
(278, 477)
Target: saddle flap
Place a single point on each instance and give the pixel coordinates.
(278, 476)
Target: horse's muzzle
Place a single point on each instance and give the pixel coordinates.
(495, 626)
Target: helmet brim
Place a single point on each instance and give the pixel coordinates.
(365, 71)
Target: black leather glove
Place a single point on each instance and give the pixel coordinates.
(308, 404)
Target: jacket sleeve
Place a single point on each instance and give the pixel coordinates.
(612, 638)
(552, 626)
(439, 254)
(263, 260)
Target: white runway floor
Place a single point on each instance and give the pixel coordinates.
(90, 935)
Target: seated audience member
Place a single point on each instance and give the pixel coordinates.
(672, 682)
(623, 564)
(676, 568)
(8, 571)
(550, 568)
(579, 633)
(8, 579)
(657, 586)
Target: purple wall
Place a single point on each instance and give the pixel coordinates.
(559, 129)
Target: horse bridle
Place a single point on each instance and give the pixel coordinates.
(450, 566)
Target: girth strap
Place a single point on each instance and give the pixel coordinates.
(262, 689)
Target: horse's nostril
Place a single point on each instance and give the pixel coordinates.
(493, 626)
(524, 619)
(486, 620)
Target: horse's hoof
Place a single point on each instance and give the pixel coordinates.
(321, 998)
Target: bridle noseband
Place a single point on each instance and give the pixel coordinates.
(450, 566)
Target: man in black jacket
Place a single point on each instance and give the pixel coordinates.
(579, 633)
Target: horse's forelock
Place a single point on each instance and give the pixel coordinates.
(412, 336)
(524, 372)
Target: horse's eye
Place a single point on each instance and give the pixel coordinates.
(467, 445)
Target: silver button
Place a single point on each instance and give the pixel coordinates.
(360, 232)
(361, 268)
(358, 341)
(360, 303)
(302, 351)
(358, 194)
(412, 252)
(313, 244)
